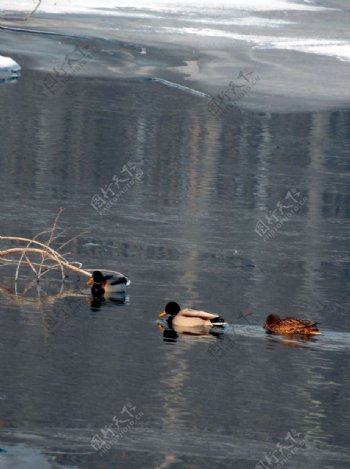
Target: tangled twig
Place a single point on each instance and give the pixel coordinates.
(51, 259)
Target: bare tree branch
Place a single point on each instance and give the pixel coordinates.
(51, 259)
(32, 13)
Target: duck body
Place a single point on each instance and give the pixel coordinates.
(290, 326)
(189, 317)
(101, 284)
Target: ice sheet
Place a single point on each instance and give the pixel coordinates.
(92, 6)
(8, 65)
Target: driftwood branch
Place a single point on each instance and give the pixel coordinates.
(46, 259)
(32, 12)
(24, 254)
(49, 255)
(50, 241)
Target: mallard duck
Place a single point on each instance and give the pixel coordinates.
(107, 283)
(189, 317)
(275, 324)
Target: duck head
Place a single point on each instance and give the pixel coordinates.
(271, 320)
(171, 309)
(96, 278)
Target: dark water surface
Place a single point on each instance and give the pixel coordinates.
(185, 231)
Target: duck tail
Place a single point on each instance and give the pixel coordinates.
(314, 329)
(218, 321)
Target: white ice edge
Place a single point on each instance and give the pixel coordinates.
(236, 12)
(8, 65)
(98, 6)
(339, 49)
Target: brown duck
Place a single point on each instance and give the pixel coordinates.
(275, 324)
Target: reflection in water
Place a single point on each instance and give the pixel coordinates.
(116, 299)
(172, 334)
(186, 232)
(173, 384)
(56, 309)
(291, 340)
(169, 334)
(11, 79)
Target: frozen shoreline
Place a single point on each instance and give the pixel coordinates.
(100, 6)
(300, 69)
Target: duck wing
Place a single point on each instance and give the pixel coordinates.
(195, 313)
(302, 322)
(299, 324)
(114, 280)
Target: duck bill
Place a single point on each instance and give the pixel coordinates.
(90, 282)
(162, 314)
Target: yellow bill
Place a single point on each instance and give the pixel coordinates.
(90, 282)
(162, 314)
